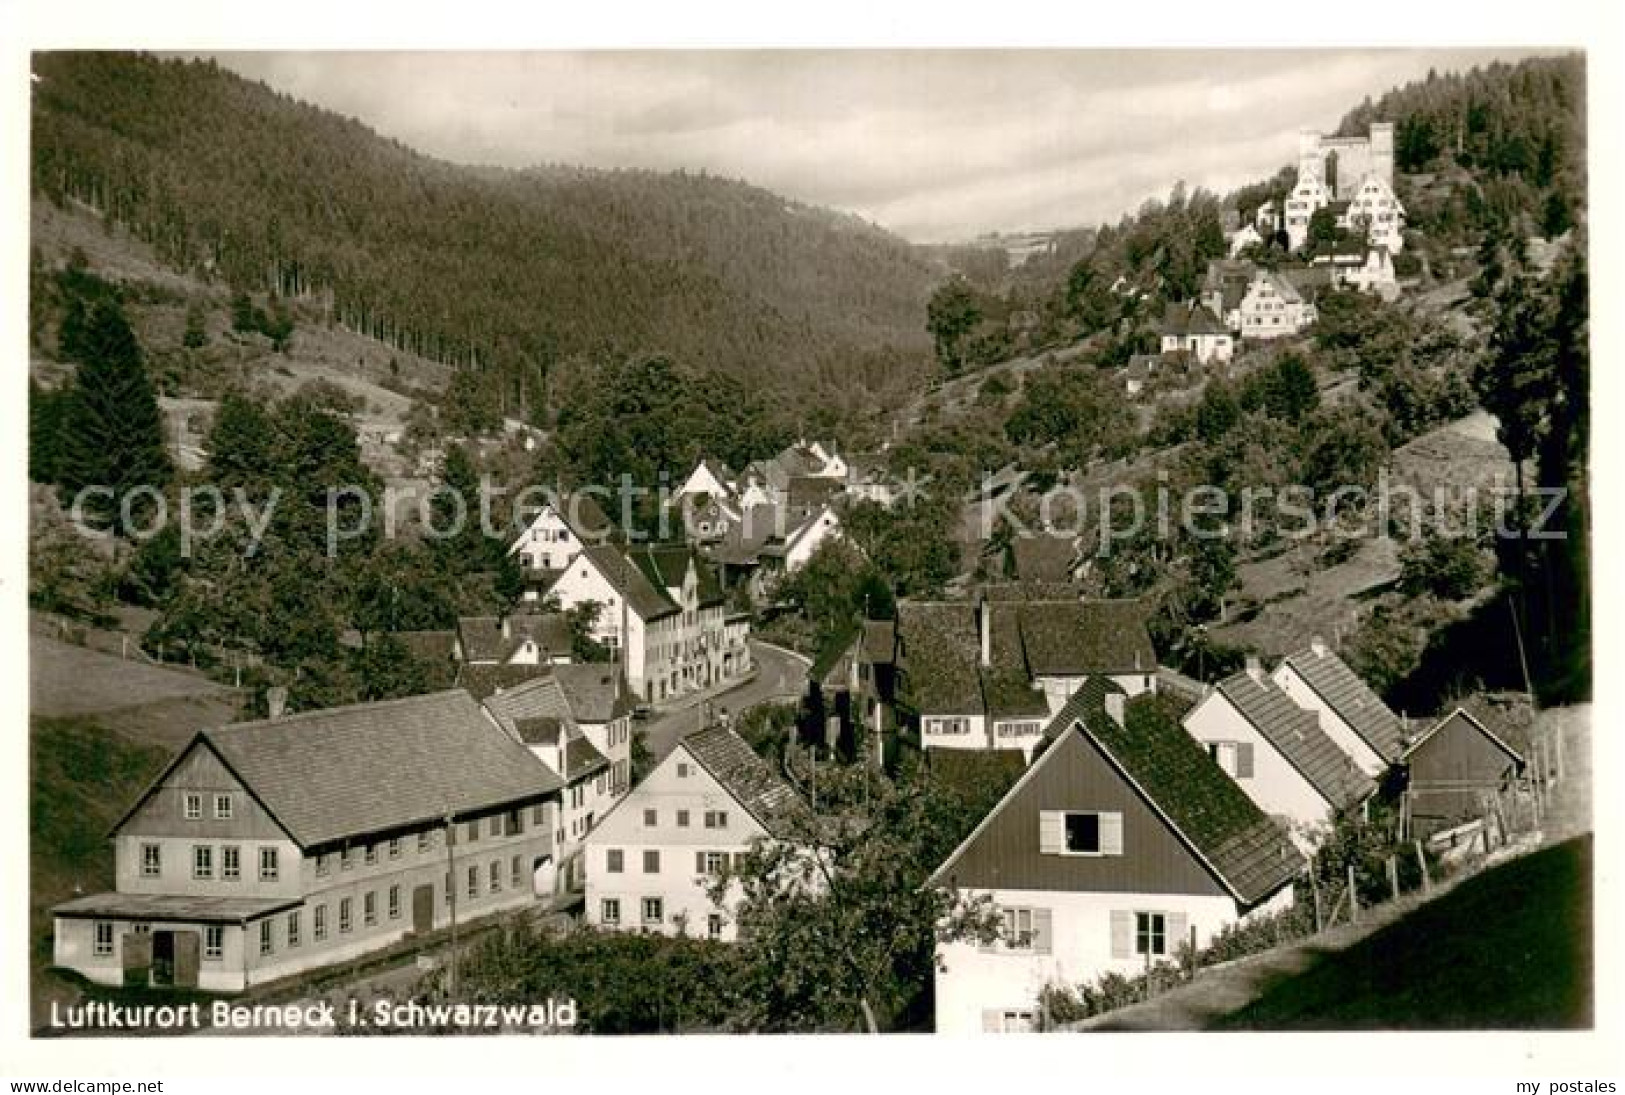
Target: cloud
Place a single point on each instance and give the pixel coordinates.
(932, 144)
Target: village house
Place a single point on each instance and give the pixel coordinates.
(1277, 753)
(1376, 215)
(1352, 176)
(990, 674)
(661, 608)
(273, 847)
(867, 479)
(600, 704)
(853, 682)
(522, 639)
(1273, 308)
(770, 543)
(1223, 288)
(1361, 267)
(1454, 772)
(537, 714)
(711, 478)
(560, 530)
(652, 859)
(1191, 328)
(1121, 843)
(1350, 713)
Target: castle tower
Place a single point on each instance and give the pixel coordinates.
(1382, 151)
(1309, 161)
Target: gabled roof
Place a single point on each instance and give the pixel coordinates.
(349, 772)
(1246, 852)
(590, 690)
(879, 642)
(1463, 717)
(666, 567)
(481, 681)
(1190, 318)
(631, 582)
(540, 698)
(483, 640)
(1355, 703)
(582, 759)
(1073, 638)
(939, 649)
(579, 511)
(1296, 735)
(748, 779)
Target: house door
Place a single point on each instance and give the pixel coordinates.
(137, 958)
(188, 949)
(163, 958)
(423, 910)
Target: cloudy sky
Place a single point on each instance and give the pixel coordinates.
(933, 145)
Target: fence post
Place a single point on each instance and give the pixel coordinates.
(1354, 899)
(1393, 876)
(1193, 952)
(1314, 888)
(1484, 831)
(1422, 865)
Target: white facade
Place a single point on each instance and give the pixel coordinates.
(1057, 690)
(995, 988)
(584, 582)
(548, 543)
(1273, 309)
(1244, 238)
(807, 538)
(1375, 207)
(702, 480)
(650, 860)
(1365, 758)
(1275, 785)
(1205, 347)
(967, 731)
(1308, 197)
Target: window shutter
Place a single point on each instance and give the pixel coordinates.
(1051, 832)
(699, 862)
(1244, 760)
(1043, 931)
(1122, 934)
(992, 1021)
(1111, 834)
(1179, 931)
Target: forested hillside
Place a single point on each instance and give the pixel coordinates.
(503, 273)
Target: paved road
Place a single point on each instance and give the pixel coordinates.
(780, 675)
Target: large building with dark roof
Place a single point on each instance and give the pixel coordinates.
(269, 848)
(1122, 841)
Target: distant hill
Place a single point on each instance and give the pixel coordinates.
(509, 273)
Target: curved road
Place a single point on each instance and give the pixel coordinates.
(780, 675)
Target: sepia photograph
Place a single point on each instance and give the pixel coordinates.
(955, 542)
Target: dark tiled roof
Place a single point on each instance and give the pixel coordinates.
(591, 693)
(666, 565)
(1250, 852)
(939, 649)
(879, 642)
(582, 759)
(1072, 638)
(194, 908)
(483, 640)
(539, 698)
(630, 581)
(807, 492)
(428, 646)
(1043, 558)
(1344, 692)
(1007, 693)
(585, 517)
(327, 776)
(481, 681)
(1297, 736)
(538, 730)
(749, 779)
(1190, 318)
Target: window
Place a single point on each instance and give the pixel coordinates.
(394, 902)
(369, 908)
(473, 831)
(347, 859)
(495, 826)
(473, 883)
(682, 819)
(222, 807)
(265, 937)
(202, 861)
(713, 926)
(231, 862)
(495, 872)
(682, 771)
(323, 866)
(104, 938)
(651, 861)
(716, 819)
(423, 840)
(518, 871)
(1018, 928)
(537, 815)
(711, 862)
(268, 865)
(650, 818)
(654, 910)
(1150, 933)
(344, 915)
(214, 942)
(1080, 832)
(1083, 833)
(1235, 757)
(514, 823)
(152, 861)
(953, 726)
(293, 928)
(319, 922)
(614, 860)
(194, 807)
(395, 847)
(610, 910)
(371, 855)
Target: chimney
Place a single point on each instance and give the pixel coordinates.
(986, 618)
(1114, 706)
(507, 628)
(1318, 645)
(276, 701)
(1255, 668)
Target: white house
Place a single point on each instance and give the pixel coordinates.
(710, 477)
(600, 702)
(651, 860)
(1375, 208)
(561, 528)
(1272, 308)
(1113, 850)
(1191, 328)
(1308, 197)
(1276, 753)
(1243, 238)
(1349, 712)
